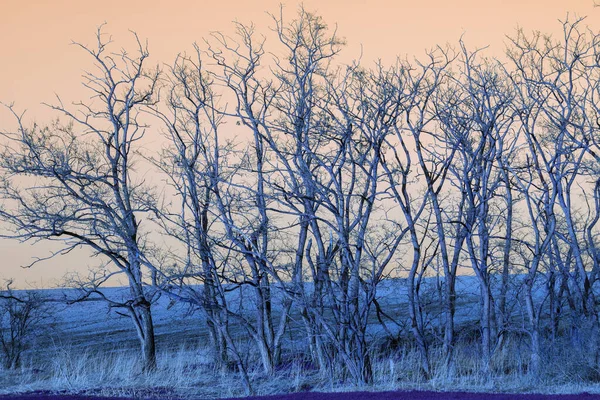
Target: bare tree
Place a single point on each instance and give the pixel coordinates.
(22, 316)
(268, 108)
(75, 184)
(478, 123)
(552, 77)
(415, 157)
(196, 163)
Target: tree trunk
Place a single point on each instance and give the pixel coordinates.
(146, 337)
(534, 368)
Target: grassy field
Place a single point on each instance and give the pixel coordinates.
(87, 348)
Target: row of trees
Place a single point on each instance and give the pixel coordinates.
(294, 186)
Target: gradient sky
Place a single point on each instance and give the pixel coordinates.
(37, 60)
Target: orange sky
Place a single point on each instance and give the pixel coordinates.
(37, 60)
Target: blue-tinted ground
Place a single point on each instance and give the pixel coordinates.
(352, 396)
(91, 326)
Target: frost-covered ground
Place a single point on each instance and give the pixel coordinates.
(89, 349)
(92, 324)
(89, 324)
(412, 395)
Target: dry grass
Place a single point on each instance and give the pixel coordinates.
(186, 372)
(94, 352)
